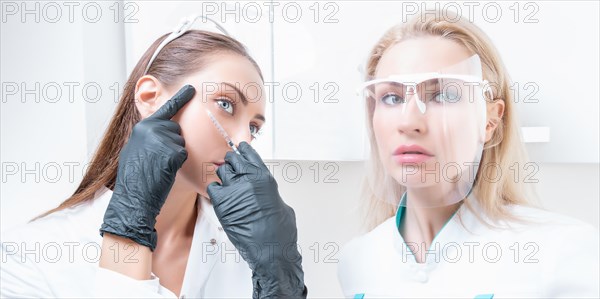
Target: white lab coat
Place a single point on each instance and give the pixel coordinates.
(555, 256)
(58, 255)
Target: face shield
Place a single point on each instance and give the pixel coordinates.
(441, 161)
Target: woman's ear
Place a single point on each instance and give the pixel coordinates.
(148, 92)
(494, 117)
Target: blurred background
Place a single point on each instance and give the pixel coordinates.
(63, 65)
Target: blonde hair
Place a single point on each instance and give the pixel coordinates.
(504, 149)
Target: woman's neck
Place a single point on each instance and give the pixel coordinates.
(420, 224)
(178, 215)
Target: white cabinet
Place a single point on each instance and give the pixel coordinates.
(554, 64)
(318, 115)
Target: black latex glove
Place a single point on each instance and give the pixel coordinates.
(147, 167)
(259, 224)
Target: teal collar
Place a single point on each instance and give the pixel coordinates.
(400, 211)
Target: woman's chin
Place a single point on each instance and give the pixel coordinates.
(414, 180)
(199, 182)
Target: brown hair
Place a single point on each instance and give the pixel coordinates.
(504, 149)
(181, 57)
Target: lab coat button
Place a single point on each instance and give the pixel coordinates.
(182, 297)
(213, 241)
(220, 228)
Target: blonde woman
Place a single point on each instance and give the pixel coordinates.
(449, 218)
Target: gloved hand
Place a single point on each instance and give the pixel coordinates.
(147, 167)
(259, 224)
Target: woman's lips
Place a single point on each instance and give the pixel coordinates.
(411, 154)
(411, 158)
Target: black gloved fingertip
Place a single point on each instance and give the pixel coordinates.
(244, 146)
(213, 185)
(188, 90)
(229, 155)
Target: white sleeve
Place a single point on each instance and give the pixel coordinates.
(19, 276)
(574, 272)
(112, 284)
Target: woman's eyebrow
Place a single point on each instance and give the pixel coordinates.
(238, 91)
(244, 100)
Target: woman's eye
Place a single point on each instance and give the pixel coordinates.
(392, 99)
(225, 105)
(254, 131)
(447, 97)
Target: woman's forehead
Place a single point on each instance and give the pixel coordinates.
(420, 55)
(230, 68)
(230, 73)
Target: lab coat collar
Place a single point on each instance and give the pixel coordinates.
(402, 209)
(460, 222)
(208, 233)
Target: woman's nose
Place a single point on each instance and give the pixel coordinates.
(242, 134)
(412, 119)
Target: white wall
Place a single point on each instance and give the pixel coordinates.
(58, 92)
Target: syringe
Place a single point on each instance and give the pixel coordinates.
(222, 131)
